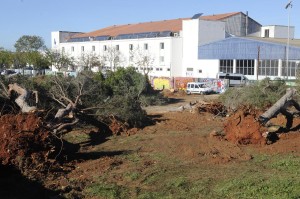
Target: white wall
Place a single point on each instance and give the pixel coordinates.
(171, 52)
(210, 31)
(179, 52)
(176, 57)
(209, 68)
(195, 33)
(278, 31)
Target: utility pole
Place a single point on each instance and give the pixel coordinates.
(288, 7)
(258, 57)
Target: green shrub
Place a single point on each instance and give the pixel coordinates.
(261, 94)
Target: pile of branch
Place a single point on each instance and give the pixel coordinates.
(215, 108)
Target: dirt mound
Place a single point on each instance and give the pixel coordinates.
(242, 127)
(24, 143)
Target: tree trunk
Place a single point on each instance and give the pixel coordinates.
(22, 98)
(280, 106)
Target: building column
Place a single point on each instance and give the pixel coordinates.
(234, 66)
(280, 68)
(256, 69)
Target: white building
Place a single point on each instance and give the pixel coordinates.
(171, 45)
(198, 47)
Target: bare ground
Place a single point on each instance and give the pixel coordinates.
(180, 143)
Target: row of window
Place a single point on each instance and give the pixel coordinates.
(117, 47)
(265, 67)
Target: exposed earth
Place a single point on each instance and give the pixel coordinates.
(181, 140)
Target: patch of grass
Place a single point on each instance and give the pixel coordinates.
(76, 137)
(133, 157)
(253, 186)
(265, 177)
(132, 176)
(109, 191)
(288, 164)
(152, 195)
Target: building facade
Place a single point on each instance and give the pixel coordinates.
(198, 47)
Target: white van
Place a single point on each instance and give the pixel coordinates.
(197, 87)
(235, 79)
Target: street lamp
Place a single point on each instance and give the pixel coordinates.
(288, 6)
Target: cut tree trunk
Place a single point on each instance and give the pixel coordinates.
(23, 97)
(281, 107)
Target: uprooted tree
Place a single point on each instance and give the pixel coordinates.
(41, 110)
(253, 106)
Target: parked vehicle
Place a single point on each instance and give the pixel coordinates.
(7, 72)
(197, 87)
(235, 79)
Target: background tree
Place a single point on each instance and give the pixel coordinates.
(89, 60)
(31, 47)
(20, 59)
(37, 60)
(113, 56)
(59, 60)
(6, 59)
(143, 59)
(28, 43)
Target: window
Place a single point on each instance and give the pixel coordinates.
(104, 48)
(117, 47)
(269, 67)
(82, 48)
(145, 46)
(93, 48)
(168, 69)
(72, 48)
(267, 33)
(200, 71)
(245, 66)
(292, 70)
(130, 46)
(161, 59)
(162, 45)
(226, 65)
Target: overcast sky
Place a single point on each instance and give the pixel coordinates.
(40, 17)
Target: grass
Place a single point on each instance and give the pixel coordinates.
(156, 172)
(109, 191)
(77, 137)
(265, 177)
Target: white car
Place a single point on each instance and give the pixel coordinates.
(197, 87)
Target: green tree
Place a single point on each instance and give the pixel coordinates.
(37, 60)
(59, 60)
(6, 59)
(20, 59)
(28, 43)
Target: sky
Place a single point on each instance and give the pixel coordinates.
(41, 17)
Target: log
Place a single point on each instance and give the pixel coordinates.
(24, 95)
(280, 106)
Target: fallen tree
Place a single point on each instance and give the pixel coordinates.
(281, 106)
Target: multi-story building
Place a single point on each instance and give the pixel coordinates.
(200, 46)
